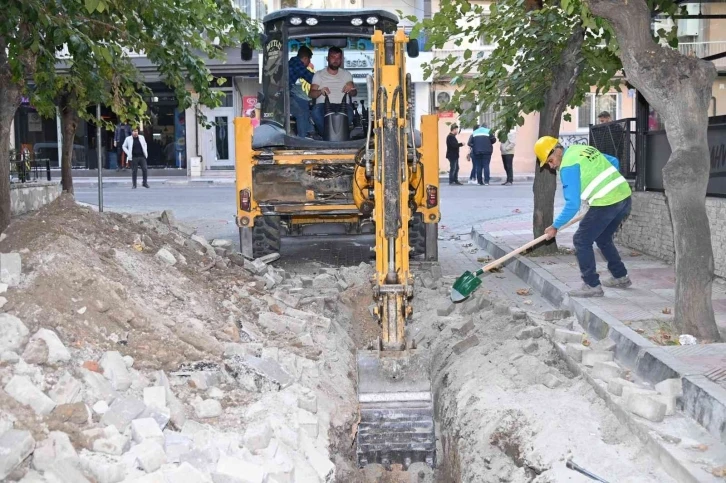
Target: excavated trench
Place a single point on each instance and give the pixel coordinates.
(507, 408)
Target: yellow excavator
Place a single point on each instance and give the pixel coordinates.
(374, 170)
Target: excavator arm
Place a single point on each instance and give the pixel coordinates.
(394, 388)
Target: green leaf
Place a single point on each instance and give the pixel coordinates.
(92, 5)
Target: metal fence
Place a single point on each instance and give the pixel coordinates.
(617, 138)
(25, 169)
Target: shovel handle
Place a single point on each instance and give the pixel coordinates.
(524, 247)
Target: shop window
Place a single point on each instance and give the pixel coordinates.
(593, 105)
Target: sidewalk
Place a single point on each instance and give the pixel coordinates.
(637, 319)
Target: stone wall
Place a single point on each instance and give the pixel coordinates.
(648, 229)
(25, 197)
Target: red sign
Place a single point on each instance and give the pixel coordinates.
(446, 114)
(248, 105)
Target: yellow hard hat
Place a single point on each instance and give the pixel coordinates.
(543, 147)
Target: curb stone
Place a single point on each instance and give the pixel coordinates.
(703, 400)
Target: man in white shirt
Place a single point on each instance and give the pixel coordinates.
(334, 82)
(136, 150)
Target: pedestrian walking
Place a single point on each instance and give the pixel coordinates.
(591, 176)
(136, 150)
(123, 130)
(507, 149)
(452, 154)
(481, 144)
(470, 158)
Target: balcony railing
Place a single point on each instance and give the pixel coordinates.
(704, 49)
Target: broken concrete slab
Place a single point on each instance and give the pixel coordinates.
(551, 315)
(64, 471)
(57, 352)
(567, 336)
(606, 371)
(207, 408)
(265, 372)
(146, 429)
(10, 268)
(530, 347)
(281, 323)
(236, 470)
(575, 351)
(255, 267)
(97, 387)
(104, 468)
(25, 392)
(150, 455)
(36, 352)
(15, 446)
(67, 390)
(530, 333)
(57, 446)
(257, 436)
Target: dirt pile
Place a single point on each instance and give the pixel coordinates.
(134, 350)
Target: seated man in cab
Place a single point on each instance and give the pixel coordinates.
(297, 68)
(334, 82)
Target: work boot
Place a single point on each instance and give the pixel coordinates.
(145, 185)
(587, 291)
(612, 282)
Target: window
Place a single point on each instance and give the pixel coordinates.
(593, 105)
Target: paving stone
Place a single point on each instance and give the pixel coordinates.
(308, 401)
(530, 333)
(97, 387)
(146, 429)
(255, 267)
(115, 370)
(150, 455)
(291, 300)
(551, 315)
(567, 336)
(576, 351)
(589, 358)
(270, 370)
(517, 313)
(9, 356)
(269, 258)
(606, 371)
(530, 347)
(15, 446)
(13, 333)
(122, 412)
(64, 471)
(466, 344)
(205, 460)
(235, 470)
(67, 390)
(281, 323)
(319, 460)
(309, 317)
(445, 308)
(670, 387)
(616, 385)
(33, 476)
(222, 243)
(257, 436)
(24, 391)
(669, 401)
(10, 268)
(308, 422)
(7, 421)
(207, 408)
(646, 407)
(155, 396)
(108, 441)
(175, 445)
(103, 468)
(463, 329)
(101, 407)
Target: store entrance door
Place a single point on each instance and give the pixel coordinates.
(218, 141)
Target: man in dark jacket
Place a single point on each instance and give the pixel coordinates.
(123, 130)
(481, 144)
(452, 154)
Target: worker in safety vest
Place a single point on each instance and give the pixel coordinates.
(593, 177)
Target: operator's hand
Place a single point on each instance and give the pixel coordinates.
(325, 90)
(551, 232)
(347, 88)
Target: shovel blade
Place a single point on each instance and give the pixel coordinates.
(464, 286)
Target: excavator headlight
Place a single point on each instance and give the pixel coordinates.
(311, 21)
(245, 200)
(432, 196)
(295, 20)
(356, 21)
(372, 20)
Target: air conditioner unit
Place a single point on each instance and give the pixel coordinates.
(690, 27)
(442, 98)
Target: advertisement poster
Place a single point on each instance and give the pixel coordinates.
(248, 105)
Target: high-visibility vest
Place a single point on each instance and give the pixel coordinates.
(601, 184)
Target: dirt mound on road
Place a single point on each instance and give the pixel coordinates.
(94, 279)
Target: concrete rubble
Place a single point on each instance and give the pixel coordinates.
(171, 376)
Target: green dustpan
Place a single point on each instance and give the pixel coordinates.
(469, 282)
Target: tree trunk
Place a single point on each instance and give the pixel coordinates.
(10, 96)
(69, 124)
(559, 95)
(679, 88)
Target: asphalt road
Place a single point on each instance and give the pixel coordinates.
(211, 210)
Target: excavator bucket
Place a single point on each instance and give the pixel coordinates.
(396, 409)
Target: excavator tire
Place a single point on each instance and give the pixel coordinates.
(266, 236)
(417, 235)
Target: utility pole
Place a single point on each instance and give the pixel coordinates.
(100, 161)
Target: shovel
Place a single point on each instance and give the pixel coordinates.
(468, 282)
